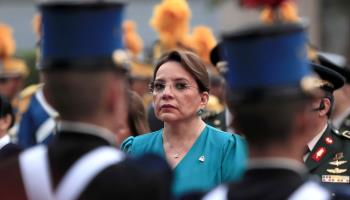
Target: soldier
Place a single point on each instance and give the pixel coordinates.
(328, 151)
(36, 117)
(269, 73)
(84, 73)
(341, 112)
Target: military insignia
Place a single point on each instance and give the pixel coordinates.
(338, 163)
(346, 134)
(338, 156)
(202, 159)
(336, 170)
(328, 140)
(318, 155)
(335, 179)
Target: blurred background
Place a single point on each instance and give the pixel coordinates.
(329, 22)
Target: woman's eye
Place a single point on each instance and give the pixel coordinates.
(181, 86)
(159, 86)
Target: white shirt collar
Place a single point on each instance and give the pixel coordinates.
(338, 121)
(4, 141)
(314, 141)
(86, 128)
(277, 162)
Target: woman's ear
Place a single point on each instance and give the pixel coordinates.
(204, 98)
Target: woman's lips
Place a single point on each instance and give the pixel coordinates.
(167, 106)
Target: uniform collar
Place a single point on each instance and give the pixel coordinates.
(4, 141)
(86, 128)
(314, 141)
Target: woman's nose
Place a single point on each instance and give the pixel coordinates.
(167, 92)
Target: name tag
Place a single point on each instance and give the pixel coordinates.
(335, 179)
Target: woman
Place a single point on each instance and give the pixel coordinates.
(200, 155)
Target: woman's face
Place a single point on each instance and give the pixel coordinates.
(175, 93)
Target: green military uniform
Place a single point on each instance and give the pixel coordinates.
(330, 158)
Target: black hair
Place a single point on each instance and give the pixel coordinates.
(6, 109)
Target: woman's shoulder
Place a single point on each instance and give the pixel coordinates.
(220, 135)
(139, 141)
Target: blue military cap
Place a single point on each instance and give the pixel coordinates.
(81, 35)
(268, 61)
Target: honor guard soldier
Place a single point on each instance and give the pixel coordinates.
(36, 118)
(83, 66)
(278, 81)
(268, 72)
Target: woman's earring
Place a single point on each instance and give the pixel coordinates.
(200, 112)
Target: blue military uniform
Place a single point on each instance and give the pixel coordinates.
(37, 124)
(82, 161)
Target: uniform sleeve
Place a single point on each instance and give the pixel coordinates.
(126, 146)
(234, 159)
(26, 131)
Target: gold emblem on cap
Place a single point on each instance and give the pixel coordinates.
(311, 85)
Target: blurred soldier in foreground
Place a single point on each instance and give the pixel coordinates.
(270, 91)
(84, 74)
(281, 85)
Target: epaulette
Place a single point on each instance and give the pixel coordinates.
(29, 91)
(24, 99)
(346, 134)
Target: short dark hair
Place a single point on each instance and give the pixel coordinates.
(6, 109)
(191, 63)
(75, 94)
(265, 123)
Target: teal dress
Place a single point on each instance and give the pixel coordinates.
(216, 157)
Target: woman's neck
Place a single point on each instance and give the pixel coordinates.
(182, 131)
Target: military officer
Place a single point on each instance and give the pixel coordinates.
(328, 152)
(85, 78)
(341, 112)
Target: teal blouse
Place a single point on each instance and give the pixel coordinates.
(216, 157)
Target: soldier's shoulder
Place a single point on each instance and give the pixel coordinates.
(342, 134)
(30, 91)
